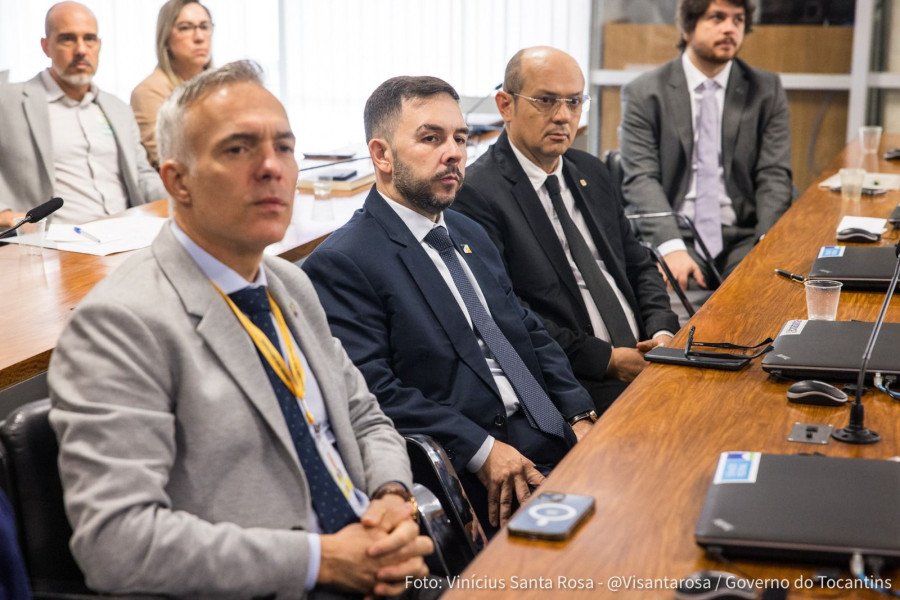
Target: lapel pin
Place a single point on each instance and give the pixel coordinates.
(466, 249)
(582, 182)
(293, 309)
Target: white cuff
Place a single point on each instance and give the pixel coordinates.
(671, 246)
(481, 456)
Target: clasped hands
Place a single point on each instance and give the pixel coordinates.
(376, 555)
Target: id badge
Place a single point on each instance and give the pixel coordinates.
(335, 467)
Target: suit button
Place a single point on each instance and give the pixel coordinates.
(500, 420)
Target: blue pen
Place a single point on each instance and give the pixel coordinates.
(84, 233)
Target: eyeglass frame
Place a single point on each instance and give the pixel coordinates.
(765, 345)
(188, 28)
(558, 101)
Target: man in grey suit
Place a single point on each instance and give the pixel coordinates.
(728, 167)
(215, 440)
(61, 136)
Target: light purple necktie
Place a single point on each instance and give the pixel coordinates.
(707, 215)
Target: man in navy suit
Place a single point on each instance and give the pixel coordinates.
(421, 301)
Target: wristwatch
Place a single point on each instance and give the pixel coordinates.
(398, 489)
(588, 414)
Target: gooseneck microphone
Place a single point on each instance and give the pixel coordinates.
(37, 213)
(856, 432)
(477, 129)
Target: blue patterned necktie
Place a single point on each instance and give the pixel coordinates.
(540, 410)
(707, 212)
(332, 508)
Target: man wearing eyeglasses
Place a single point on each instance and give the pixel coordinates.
(61, 136)
(558, 221)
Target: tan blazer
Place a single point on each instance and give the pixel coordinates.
(179, 473)
(146, 99)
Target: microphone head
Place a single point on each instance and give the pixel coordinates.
(44, 210)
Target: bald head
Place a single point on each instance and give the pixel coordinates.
(522, 65)
(541, 103)
(64, 10)
(73, 46)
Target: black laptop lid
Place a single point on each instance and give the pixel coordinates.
(856, 267)
(832, 350)
(802, 507)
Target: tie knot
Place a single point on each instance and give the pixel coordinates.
(552, 184)
(439, 239)
(251, 300)
(709, 86)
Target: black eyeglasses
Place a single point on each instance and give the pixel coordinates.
(762, 347)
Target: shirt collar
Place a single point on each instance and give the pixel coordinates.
(695, 77)
(56, 93)
(535, 174)
(419, 225)
(225, 277)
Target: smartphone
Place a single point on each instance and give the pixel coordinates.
(676, 356)
(342, 174)
(551, 516)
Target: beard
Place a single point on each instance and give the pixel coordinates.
(76, 79)
(420, 192)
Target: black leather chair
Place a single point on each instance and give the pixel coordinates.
(28, 456)
(688, 299)
(432, 469)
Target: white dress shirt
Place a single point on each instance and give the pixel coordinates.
(420, 226)
(85, 157)
(695, 79)
(537, 176)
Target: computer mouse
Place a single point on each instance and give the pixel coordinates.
(714, 584)
(813, 391)
(857, 234)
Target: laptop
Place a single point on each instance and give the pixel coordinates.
(859, 268)
(832, 350)
(803, 508)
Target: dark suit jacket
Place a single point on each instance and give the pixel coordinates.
(499, 196)
(658, 145)
(402, 327)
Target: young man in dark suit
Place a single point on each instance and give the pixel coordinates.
(558, 221)
(420, 300)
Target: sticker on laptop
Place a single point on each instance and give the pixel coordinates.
(794, 327)
(737, 467)
(831, 251)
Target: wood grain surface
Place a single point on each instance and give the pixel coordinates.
(649, 460)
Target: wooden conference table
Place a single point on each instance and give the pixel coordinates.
(41, 292)
(649, 460)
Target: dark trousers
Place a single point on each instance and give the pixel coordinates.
(545, 451)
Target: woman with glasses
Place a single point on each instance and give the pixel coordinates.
(183, 42)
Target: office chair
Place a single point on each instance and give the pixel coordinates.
(432, 469)
(29, 452)
(613, 160)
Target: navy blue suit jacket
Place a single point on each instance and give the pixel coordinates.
(400, 324)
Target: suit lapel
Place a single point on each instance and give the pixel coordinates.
(679, 100)
(34, 104)
(581, 194)
(735, 101)
(126, 161)
(535, 215)
(220, 330)
(433, 287)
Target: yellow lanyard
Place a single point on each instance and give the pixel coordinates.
(290, 373)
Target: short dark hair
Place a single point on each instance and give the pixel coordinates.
(386, 102)
(690, 11)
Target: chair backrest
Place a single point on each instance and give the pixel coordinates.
(613, 160)
(432, 469)
(29, 454)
